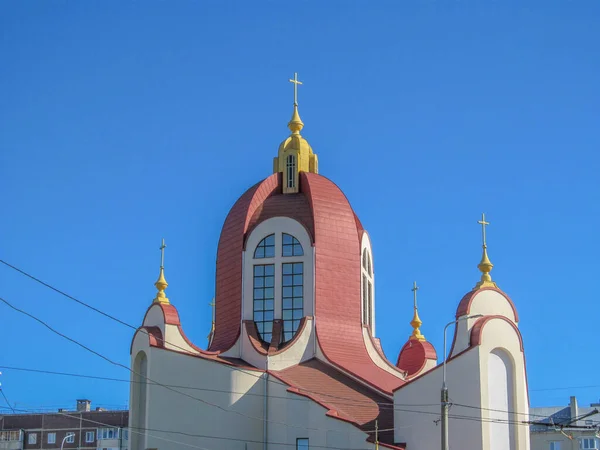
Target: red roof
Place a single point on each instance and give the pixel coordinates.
(414, 355)
(345, 398)
(336, 232)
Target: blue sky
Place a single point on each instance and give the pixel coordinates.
(123, 123)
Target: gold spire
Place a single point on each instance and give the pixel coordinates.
(296, 124)
(294, 154)
(485, 265)
(212, 328)
(161, 284)
(416, 321)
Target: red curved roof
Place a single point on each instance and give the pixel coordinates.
(336, 232)
(414, 355)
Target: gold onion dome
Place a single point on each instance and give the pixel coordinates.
(161, 284)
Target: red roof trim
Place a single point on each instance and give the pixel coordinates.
(154, 334)
(379, 351)
(464, 307)
(477, 330)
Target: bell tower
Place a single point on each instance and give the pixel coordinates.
(295, 155)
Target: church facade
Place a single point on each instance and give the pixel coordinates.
(293, 360)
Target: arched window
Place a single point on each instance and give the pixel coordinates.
(287, 271)
(367, 288)
(290, 246)
(290, 165)
(140, 374)
(265, 248)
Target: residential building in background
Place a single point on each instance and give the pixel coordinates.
(83, 428)
(565, 427)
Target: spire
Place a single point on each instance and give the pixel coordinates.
(212, 328)
(485, 265)
(161, 284)
(296, 124)
(416, 321)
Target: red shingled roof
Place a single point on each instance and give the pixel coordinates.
(345, 398)
(336, 231)
(414, 355)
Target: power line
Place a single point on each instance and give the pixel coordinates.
(269, 379)
(6, 400)
(80, 302)
(394, 406)
(145, 377)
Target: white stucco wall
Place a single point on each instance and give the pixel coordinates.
(469, 381)
(238, 392)
(417, 407)
(486, 303)
(303, 418)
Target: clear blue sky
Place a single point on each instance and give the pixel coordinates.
(125, 122)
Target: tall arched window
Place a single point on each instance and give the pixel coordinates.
(367, 288)
(287, 271)
(290, 165)
(140, 374)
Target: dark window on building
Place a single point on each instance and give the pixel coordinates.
(291, 246)
(264, 299)
(266, 247)
(302, 444)
(292, 298)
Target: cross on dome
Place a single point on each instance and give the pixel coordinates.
(296, 83)
(161, 284)
(485, 265)
(416, 320)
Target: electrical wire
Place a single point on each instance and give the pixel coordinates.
(6, 400)
(354, 401)
(6, 302)
(122, 322)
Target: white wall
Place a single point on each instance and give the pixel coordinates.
(300, 417)
(417, 407)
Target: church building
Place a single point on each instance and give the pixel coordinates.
(293, 359)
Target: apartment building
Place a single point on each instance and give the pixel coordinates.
(568, 427)
(81, 429)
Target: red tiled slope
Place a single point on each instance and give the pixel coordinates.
(351, 400)
(337, 283)
(294, 206)
(414, 355)
(228, 292)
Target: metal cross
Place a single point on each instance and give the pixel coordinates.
(162, 254)
(212, 305)
(296, 83)
(415, 289)
(483, 223)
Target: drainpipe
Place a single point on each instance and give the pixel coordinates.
(266, 406)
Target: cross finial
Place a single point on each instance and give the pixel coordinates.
(414, 290)
(483, 224)
(161, 284)
(296, 83)
(485, 265)
(212, 305)
(416, 320)
(162, 254)
(212, 328)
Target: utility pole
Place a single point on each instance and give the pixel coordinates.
(444, 397)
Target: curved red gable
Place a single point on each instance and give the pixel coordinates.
(464, 307)
(414, 355)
